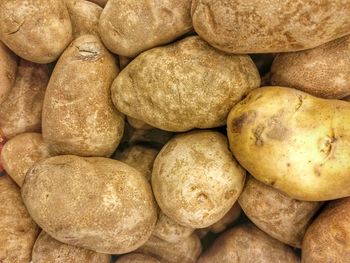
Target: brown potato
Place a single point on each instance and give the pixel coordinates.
(8, 71)
(21, 111)
(36, 30)
(323, 71)
(184, 85)
(248, 244)
(262, 26)
(137, 258)
(21, 153)
(17, 230)
(137, 124)
(97, 203)
(78, 114)
(48, 250)
(276, 214)
(128, 27)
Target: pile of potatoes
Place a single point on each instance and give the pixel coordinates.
(209, 131)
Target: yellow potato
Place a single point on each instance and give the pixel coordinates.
(137, 258)
(8, 70)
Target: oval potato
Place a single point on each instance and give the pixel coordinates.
(136, 258)
(8, 71)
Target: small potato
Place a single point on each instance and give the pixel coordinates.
(276, 214)
(21, 111)
(328, 237)
(248, 244)
(17, 230)
(323, 71)
(137, 124)
(184, 85)
(36, 30)
(78, 114)
(195, 178)
(21, 153)
(128, 27)
(97, 203)
(8, 70)
(137, 258)
(49, 250)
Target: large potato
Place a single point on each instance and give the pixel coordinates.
(21, 111)
(36, 30)
(78, 114)
(128, 27)
(17, 230)
(264, 26)
(294, 142)
(96, 203)
(195, 178)
(8, 71)
(184, 85)
(248, 244)
(323, 71)
(278, 215)
(137, 258)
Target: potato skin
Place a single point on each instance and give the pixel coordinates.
(246, 243)
(128, 27)
(21, 152)
(252, 26)
(137, 258)
(323, 71)
(184, 85)
(17, 230)
(48, 250)
(78, 114)
(96, 203)
(183, 178)
(8, 70)
(276, 214)
(36, 30)
(297, 143)
(137, 124)
(328, 238)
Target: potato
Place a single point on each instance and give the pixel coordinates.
(49, 250)
(36, 30)
(8, 70)
(129, 27)
(297, 143)
(17, 230)
(276, 214)
(78, 114)
(248, 244)
(327, 239)
(195, 179)
(21, 153)
(97, 203)
(255, 26)
(137, 124)
(184, 85)
(21, 111)
(137, 258)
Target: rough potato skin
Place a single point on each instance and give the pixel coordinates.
(21, 111)
(267, 26)
(276, 214)
(327, 240)
(246, 243)
(96, 203)
(184, 85)
(195, 178)
(128, 27)
(8, 71)
(17, 230)
(323, 71)
(48, 250)
(36, 30)
(21, 152)
(78, 115)
(137, 258)
(294, 142)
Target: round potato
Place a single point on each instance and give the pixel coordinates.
(97, 203)
(137, 124)
(137, 258)
(294, 142)
(8, 71)
(78, 114)
(248, 244)
(276, 214)
(184, 85)
(17, 230)
(36, 30)
(21, 153)
(195, 178)
(265, 26)
(48, 250)
(128, 27)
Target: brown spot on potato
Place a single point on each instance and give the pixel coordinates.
(257, 134)
(246, 117)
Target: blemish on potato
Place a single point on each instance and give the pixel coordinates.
(246, 117)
